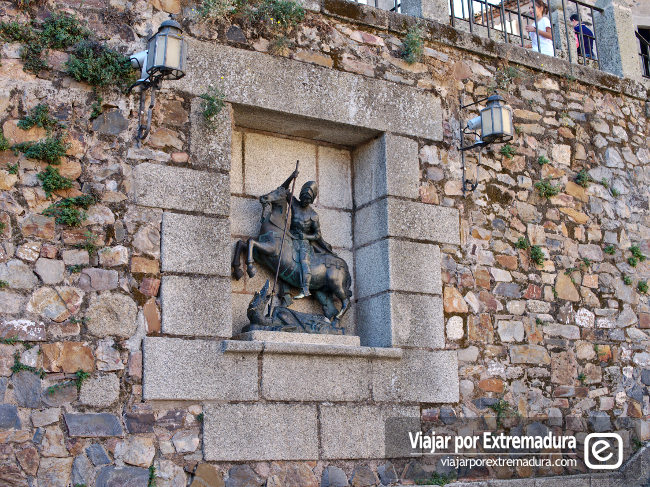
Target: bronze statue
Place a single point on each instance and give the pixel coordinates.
(305, 260)
(285, 319)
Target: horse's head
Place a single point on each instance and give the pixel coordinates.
(278, 202)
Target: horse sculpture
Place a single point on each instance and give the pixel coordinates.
(330, 276)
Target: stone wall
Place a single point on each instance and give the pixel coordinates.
(452, 315)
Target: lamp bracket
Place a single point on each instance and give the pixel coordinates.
(475, 103)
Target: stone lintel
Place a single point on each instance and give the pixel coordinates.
(256, 79)
(312, 338)
(237, 346)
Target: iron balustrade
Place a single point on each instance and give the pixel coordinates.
(507, 20)
(644, 54)
(587, 40)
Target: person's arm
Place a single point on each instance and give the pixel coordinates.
(546, 33)
(293, 176)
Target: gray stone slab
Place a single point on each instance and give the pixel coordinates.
(398, 265)
(420, 376)
(196, 306)
(210, 144)
(314, 338)
(237, 346)
(9, 417)
(300, 126)
(314, 378)
(93, 425)
(400, 319)
(255, 79)
(195, 244)
(27, 389)
(197, 369)
(355, 431)
(387, 165)
(245, 216)
(180, 188)
(259, 432)
(391, 217)
(122, 477)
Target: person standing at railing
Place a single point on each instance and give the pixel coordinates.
(541, 38)
(587, 35)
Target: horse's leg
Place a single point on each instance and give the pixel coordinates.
(329, 310)
(236, 260)
(265, 248)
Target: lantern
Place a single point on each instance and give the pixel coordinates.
(166, 52)
(496, 121)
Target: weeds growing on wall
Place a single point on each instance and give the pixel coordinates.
(39, 116)
(53, 181)
(98, 65)
(4, 143)
(537, 255)
(216, 10)
(276, 15)
(59, 31)
(508, 151)
(212, 104)
(413, 44)
(50, 150)
(68, 211)
(546, 189)
(583, 178)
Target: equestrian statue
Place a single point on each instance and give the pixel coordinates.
(300, 258)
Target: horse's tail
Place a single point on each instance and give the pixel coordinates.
(347, 282)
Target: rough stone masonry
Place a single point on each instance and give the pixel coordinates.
(117, 363)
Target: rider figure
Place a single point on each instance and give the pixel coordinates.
(305, 229)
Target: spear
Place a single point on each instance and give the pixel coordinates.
(284, 234)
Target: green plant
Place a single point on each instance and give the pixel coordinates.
(279, 13)
(152, 476)
(541, 160)
(546, 189)
(3, 225)
(212, 104)
(583, 178)
(76, 268)
(615, 193)
(18, 366)
(10, 341)
(539, 322)
(518, 130)
(413, 45)
(636, 252)
(53, 181)
(4, 143)
(216, 10)
(604, 182)
(50, 150)
(15, 32)
(502, 408)
(3, 284)
(99, 65)
(508, 151)
(12, 168)
(89, 243)
(627, 280)
(570, 270)
(505, 76)
(437, 479)
(596, 347)
(61, 30)
(633, 261)
(642, 286)
(637, 444)
(587, 262)
(522, 243)
(200, 417)
(610, 249)
(582, 378)
(555, 294)
(38, 117)
(79, 321)
(537, 255)
(97, 107)
(80, 377)
(66, 211)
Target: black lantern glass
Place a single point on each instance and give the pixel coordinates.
(167, 51)
(496, 121)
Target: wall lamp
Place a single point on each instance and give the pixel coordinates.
(163, 59)
(493, 124)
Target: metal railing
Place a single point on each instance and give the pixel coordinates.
(390, 5)
(506, 21)
(644, 54)
(585, 38)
